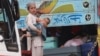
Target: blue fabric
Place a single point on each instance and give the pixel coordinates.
(42, 28)
(85, 48)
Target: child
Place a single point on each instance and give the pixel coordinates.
(37, 40)
(31, 17)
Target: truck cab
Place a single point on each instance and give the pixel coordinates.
(9, 37)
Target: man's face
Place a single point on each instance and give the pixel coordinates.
(32, 8)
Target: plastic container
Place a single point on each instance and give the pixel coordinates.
(51, 42)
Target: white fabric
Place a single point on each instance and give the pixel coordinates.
(37, 46)
(30, 20)
(37, 41)
(77, 41)
(73, 42)
(37, 51)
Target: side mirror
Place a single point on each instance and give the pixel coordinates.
(0, 7)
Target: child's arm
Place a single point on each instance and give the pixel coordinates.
(30, 24)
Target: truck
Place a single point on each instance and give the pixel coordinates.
(66, 17)
(63, 14)
(9, 37)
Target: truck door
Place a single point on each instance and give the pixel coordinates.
(9, 43)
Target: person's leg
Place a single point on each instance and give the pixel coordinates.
(33, 48)
(39, 51)
(34, 51)
(29, 43)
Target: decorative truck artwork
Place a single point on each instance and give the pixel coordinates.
(64, 12)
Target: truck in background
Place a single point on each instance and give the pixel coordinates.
(64, 15)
